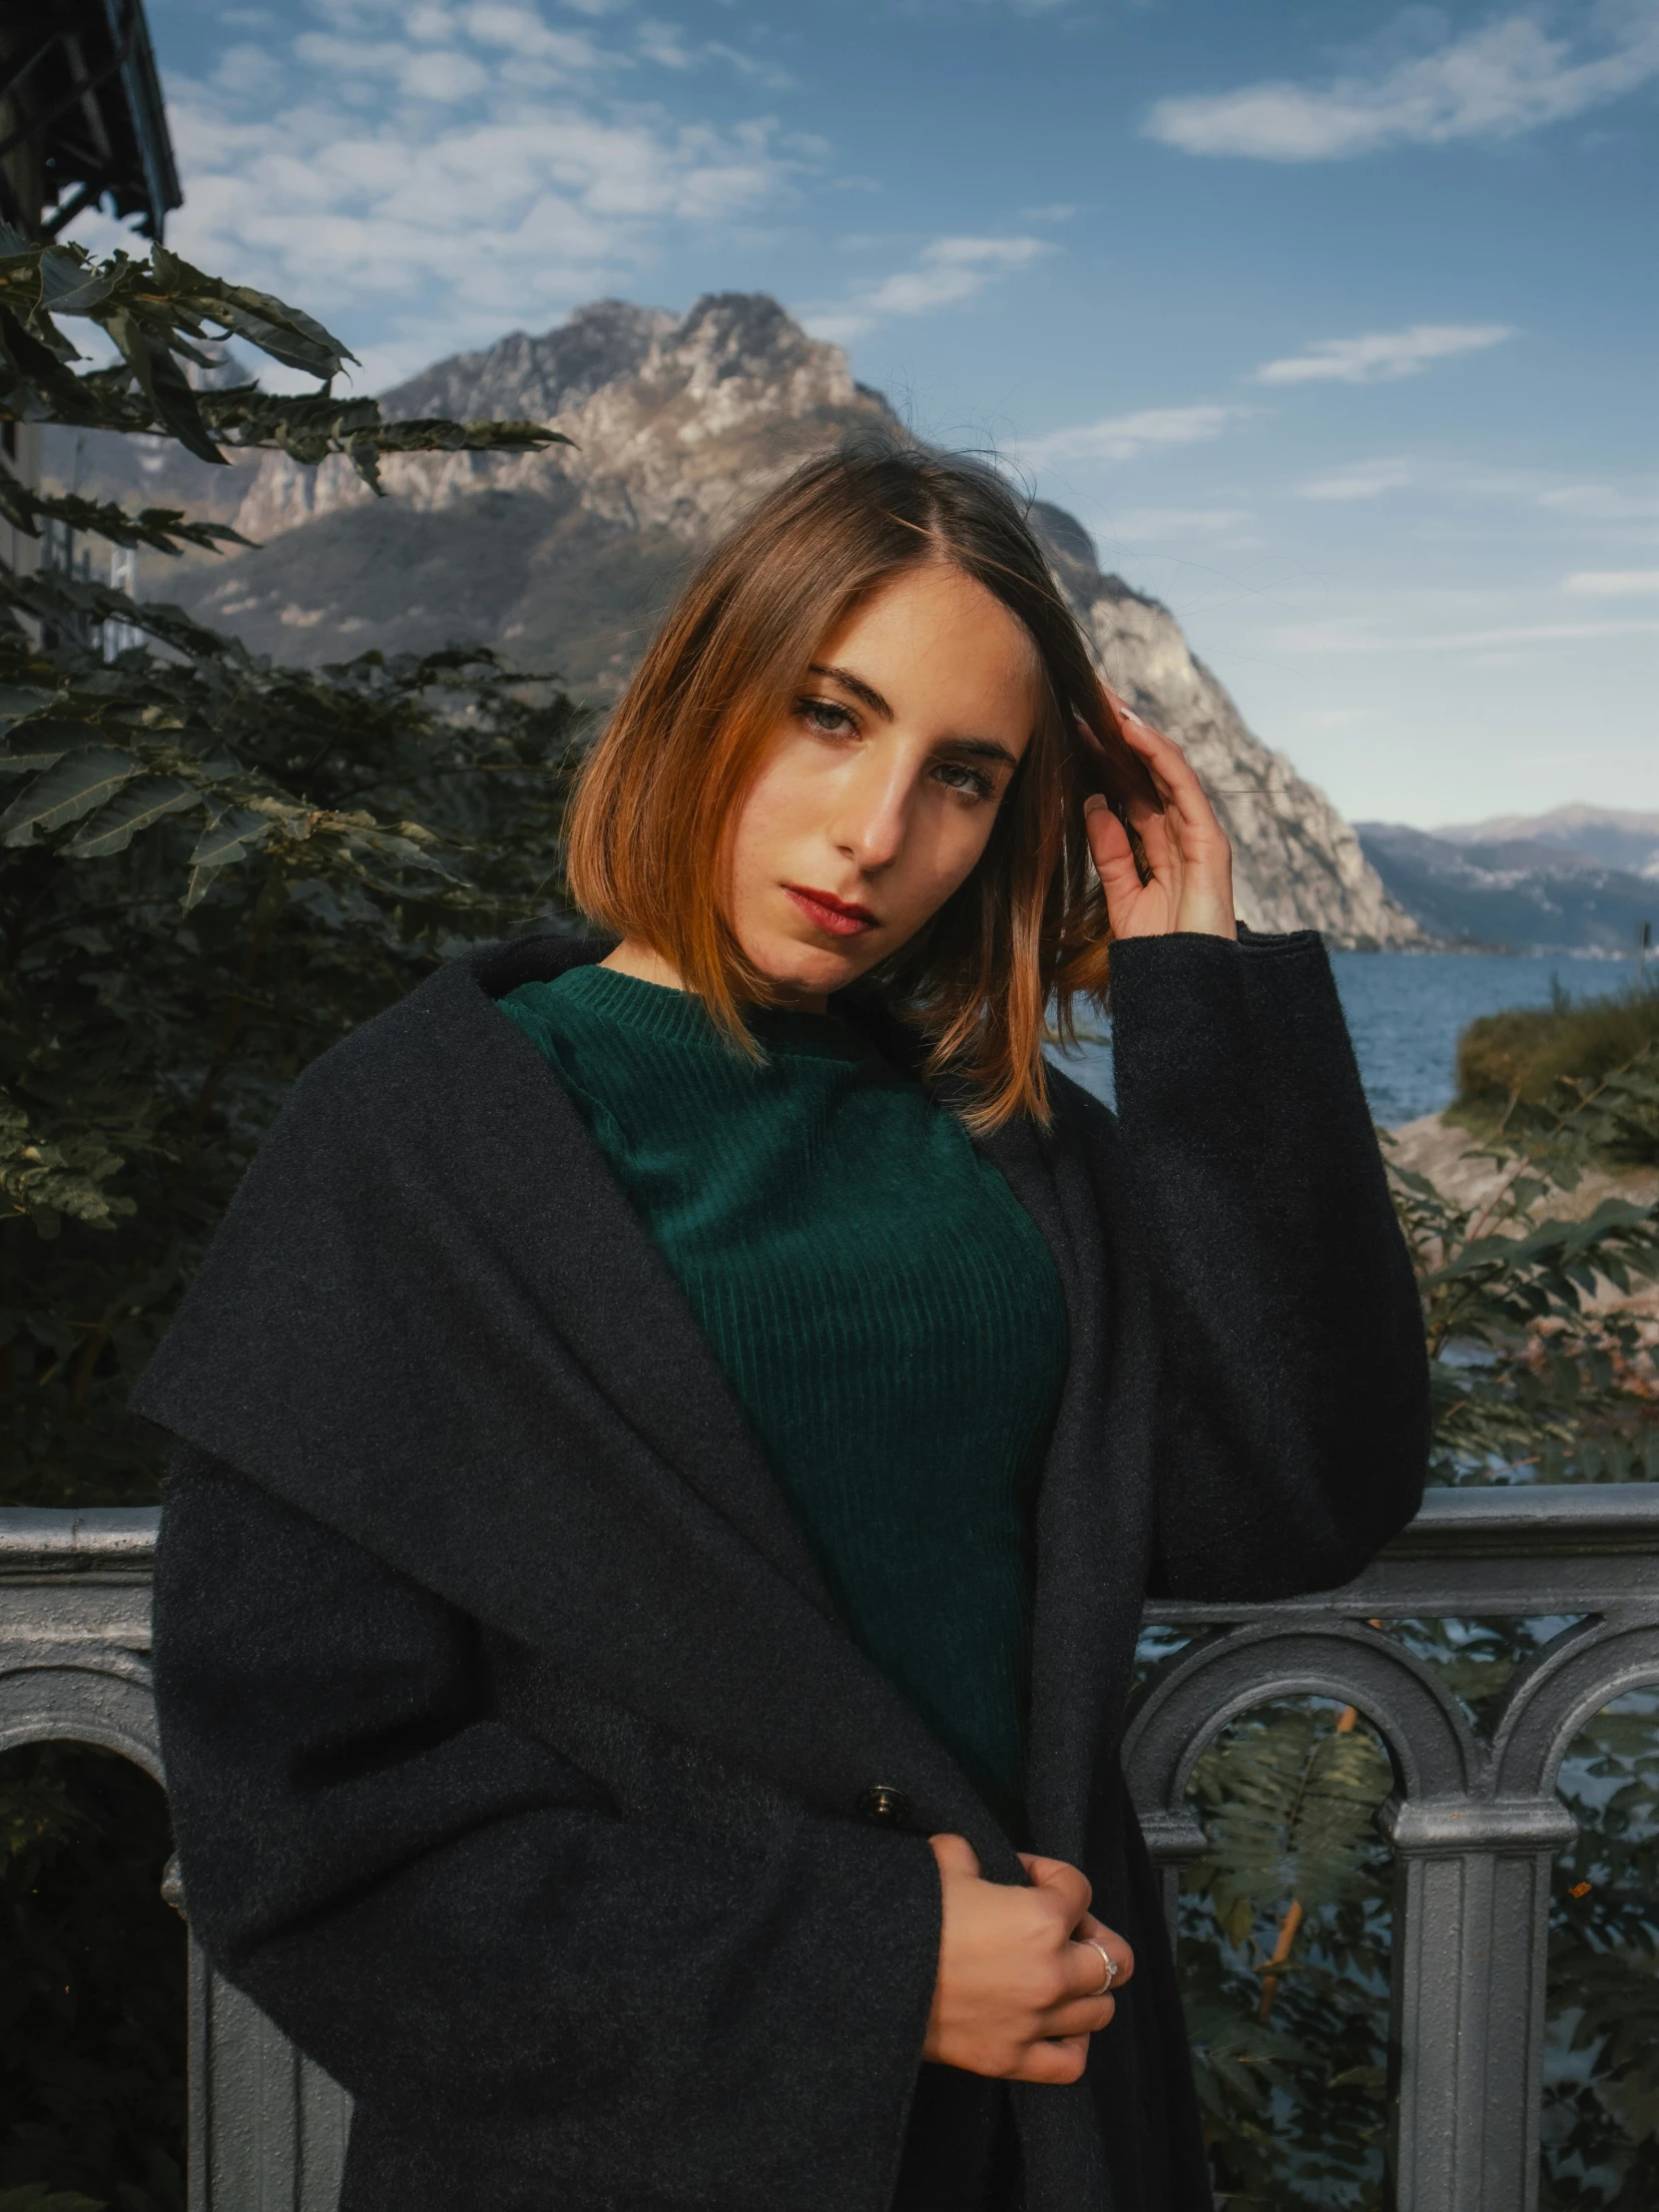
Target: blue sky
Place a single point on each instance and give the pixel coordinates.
(1332, 320)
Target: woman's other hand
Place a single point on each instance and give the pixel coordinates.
(1191, 883)
(1018, 1990)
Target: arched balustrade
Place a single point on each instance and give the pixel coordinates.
(1474, 1824)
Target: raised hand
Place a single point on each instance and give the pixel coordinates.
(1191, 882)
(1018, 1990)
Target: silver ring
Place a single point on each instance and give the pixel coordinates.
(1106, 1959)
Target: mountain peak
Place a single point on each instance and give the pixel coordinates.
(1074, 559)
(524, 378)
(722, 337)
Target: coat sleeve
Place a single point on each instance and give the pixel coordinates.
(457, 1924)
(1293, 1409)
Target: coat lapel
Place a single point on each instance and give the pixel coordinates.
(610, 1295)
(1094, 1502)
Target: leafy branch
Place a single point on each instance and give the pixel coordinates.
(164, 529)
(163, 318)
(1532, 1370)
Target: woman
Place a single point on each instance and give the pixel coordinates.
(677, 1427)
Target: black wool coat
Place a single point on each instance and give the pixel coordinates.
(521, 1768)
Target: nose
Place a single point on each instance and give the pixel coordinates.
(872, 814)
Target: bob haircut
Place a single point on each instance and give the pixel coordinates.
(658, 794)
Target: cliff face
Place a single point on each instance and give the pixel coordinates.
(566, 559)
(1297, 864)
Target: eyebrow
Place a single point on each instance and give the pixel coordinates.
(980, 749)
(975, 749)
(856, 685)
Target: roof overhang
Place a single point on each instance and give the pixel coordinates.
(79, 81)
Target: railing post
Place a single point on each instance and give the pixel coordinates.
(269, 2127)
(1173, 1842)
(1467, 2011)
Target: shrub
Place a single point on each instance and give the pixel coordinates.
(211, 869)
(1532, 1062)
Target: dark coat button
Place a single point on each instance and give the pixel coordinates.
(887, 1807)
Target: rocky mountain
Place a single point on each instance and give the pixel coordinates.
(1521, 893)
(1610, 837)
(566, 559)
(1297, 863)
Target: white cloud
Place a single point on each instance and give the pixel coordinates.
(427, 176)
(446, 75)
(664, 44)
(522, 31)
(947, 271)
(1507, 77)
(1602, 502)
(1122, 437)
(1611, 583)
(1380, 357)
(766, 73)
(247, 72)
(1358, 480)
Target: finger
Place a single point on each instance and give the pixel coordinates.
(1127, 778)
(1126, 717)
(1082, 2016)
(956, 1856)
(1089, 1930)
(1155, 749)
(1057, 2062)
(1085, 1968)
(1065, 1884)
(1112, 853)
(1151, 746)
(1176, 779)
(1159, 842)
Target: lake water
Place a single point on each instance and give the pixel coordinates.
(1406, 1009)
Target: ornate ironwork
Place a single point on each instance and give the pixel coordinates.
(1474, 1821)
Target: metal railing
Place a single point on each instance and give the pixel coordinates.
(1474, 1821)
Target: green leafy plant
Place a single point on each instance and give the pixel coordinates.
(1601, 2097)
(161, 318)
(1283, 1955)
(1526, 1066)
(93, 1993)
(211, 869)
(1533, 1374)
(35, 2196)
(1286, 1919)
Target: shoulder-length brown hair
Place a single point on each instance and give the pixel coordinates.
(647, 835)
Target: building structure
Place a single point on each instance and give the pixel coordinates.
(82, 125)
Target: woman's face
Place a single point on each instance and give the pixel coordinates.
(881, 787)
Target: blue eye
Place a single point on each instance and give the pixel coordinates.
(823, 715)
(965, 779)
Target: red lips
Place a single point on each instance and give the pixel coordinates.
(839, 916)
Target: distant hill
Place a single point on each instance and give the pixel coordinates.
(565, 560)
(1612, 836)
(1525, 893)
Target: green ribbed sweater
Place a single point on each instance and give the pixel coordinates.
(884, 1307)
